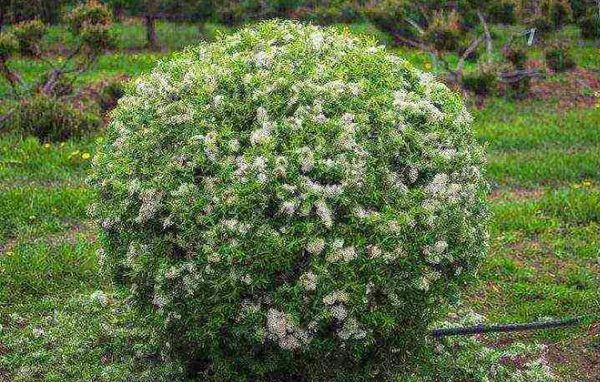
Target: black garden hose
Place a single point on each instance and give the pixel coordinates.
(503, 328)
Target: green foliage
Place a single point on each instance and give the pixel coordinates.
(22, 10)
(306, 206)
(516, 54)
(9, 44)
(323, 15)
(91, 22)
(85, 14)
(502, 12)
(483, 80)
(83, 336)
(110, 94)
(29, 34)
(582, 8)
(444, 32)
(542, 25)
(117, 344)
(51, 119)
(390, 16)
(557, 12)
(558, 56)
(590, 26)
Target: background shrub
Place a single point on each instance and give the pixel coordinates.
(542, 26)
(590, 26)
(558, 57)
(502, 12)
(516, 54)
(110, 93)
(51, 119)
(291, 203)
(557, 12)
(481, 81)
(47, 11)
(8, 45)
(444, 32)
(390, 16)
(29, 33)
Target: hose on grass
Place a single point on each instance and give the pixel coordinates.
(504, 328)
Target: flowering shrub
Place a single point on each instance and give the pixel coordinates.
(291, 201)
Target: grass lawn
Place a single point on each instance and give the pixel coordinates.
(543, 166)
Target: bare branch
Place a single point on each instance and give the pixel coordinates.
(6, 116)
(413, 43)
(518, 75)
(415, 25)
(474, 44)
(488, 36)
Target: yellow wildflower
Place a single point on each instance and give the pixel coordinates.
(46, 145)
(85, 156)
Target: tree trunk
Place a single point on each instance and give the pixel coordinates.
(151, 37)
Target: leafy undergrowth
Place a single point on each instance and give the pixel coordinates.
(99, 337)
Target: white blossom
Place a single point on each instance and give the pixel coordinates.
(316, 246)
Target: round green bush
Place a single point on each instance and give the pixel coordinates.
(291, 203)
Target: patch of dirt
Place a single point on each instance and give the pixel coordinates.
(517, 194)
(582, 353)
(86, 229)
(580, 88)
(7, 246)
(3, 349)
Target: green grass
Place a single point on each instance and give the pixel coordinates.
(544, 167)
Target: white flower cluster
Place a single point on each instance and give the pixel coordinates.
(309, 175)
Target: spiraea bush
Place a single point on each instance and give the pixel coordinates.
(291, 203)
